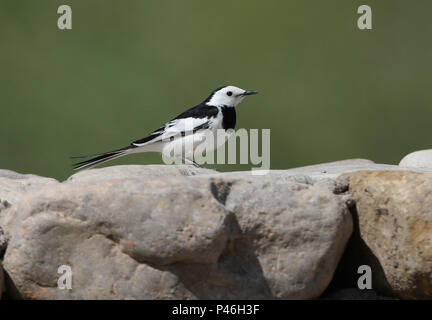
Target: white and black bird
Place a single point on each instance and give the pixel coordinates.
(215, 112)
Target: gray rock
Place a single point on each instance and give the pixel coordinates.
(133, 222)
(418, 159)
(183, 237)
(13, 185)
(333, 170)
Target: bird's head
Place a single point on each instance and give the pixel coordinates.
(229, 96)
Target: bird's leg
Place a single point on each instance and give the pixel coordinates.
(189, 161)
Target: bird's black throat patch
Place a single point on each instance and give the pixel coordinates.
(229, 117)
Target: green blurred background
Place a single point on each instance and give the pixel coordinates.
(328, 91)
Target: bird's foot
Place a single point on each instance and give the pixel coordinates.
(189, 161)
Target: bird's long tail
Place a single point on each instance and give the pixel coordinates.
(99, 158)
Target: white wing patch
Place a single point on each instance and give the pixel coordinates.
(174, 129)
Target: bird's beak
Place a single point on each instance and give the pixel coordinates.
(248, 93)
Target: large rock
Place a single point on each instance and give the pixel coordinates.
(394, 212)
(297, 231)
(149, 237)
(355, 294)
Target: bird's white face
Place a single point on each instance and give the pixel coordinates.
(228, 96)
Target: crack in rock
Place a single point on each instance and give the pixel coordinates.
(220, 190)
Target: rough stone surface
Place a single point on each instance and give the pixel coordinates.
(418, 159)
(180, 232)
(13, 185)
(297, 235)
(183, 237)
(135, 171)
(394, 212)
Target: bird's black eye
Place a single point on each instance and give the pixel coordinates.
(229, 93)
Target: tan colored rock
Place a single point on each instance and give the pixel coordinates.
(395, 222)
(106, 231)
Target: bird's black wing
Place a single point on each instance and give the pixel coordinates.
(200, 111)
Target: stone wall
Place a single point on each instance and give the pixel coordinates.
(179, 232)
